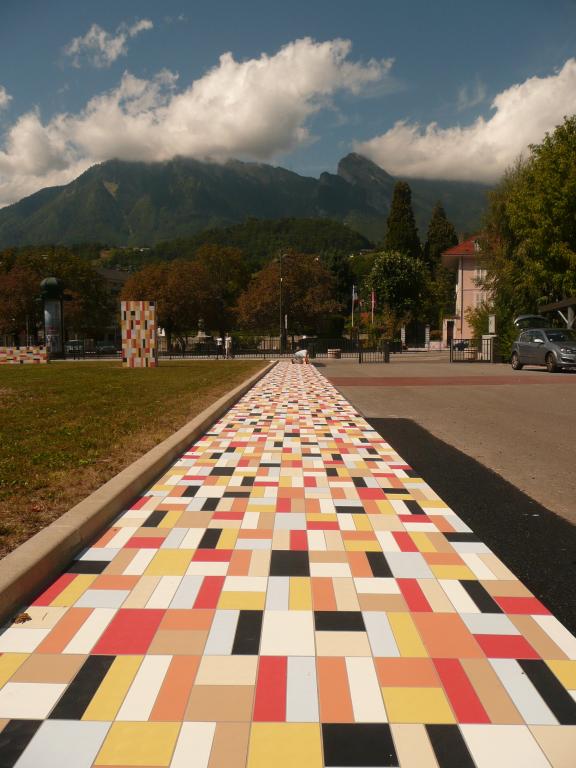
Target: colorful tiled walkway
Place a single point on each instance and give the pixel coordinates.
(289, 595)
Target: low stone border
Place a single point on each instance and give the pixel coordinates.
(34, 564)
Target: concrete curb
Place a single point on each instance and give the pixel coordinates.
(33, 565)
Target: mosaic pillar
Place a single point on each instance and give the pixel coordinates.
(139, 334)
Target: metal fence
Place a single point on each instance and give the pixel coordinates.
(474, 351)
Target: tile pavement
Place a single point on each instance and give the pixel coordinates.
(289, 593)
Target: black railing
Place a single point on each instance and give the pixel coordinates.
(474, 350)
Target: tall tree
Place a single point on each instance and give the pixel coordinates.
(401, 232)
(399, 282)
(441, 235)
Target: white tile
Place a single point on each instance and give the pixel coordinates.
(207, 569)
(64, 744)
(29, 701)
(123, 535)
(365, 693)
(458, 596)
(21, 640)
(387, 541)
(141, 697)
(102, 598)
(187, 592)
(558, 633)
(287, 633)
(489, 624)
(222, 633)
(164, 592)
(332, 570)
(193, 746)
(380, 634)
(192, 538)
(301, 694)
(139, 562)
(245, 584)
(526, 698)
(101, 554)
(410, 565)
(493, 745)
(377, 586)
(316, 541)
(87, 636)
(477, 566)
(278, 593)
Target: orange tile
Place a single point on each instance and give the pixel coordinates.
(175, 691)
(328, 557)
(358, 535)
(254, 533)
(239, 562)
(446, 636)
(106, 537)
(492, 694)
(112, 581)
(359, 565)
(439, 542)
(443, 558)
(392, 603)
(182, 618)
(119, 564)
(333, 691)
(323, 598)
(442, 524)
(405, 672)
(64, 631)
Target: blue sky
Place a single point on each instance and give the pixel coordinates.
(413, 88)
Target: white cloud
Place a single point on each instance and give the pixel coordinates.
(253, 109)
(483, 150)
(5, 97)
(471, 96)
(101, 48)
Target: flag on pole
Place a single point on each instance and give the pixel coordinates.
(373, 303)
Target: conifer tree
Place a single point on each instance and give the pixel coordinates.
(401, 233)
(441, 235)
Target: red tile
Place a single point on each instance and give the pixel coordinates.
(231, 515)
(465, 703)
(144, 542)
(140, 503)
(506, 647)
(209, 592)
(415, 519)
(412, 593)
(315, 525)
(371, 493)
(404, 541)
(54, 589)
(212, 555)
(270, 704)
(130, 631)
(528, 605)
(298, 540)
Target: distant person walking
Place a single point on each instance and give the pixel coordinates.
(228, 346)
(219, 346)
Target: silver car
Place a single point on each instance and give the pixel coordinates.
(553, 347)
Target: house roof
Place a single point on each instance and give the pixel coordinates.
(465, 248)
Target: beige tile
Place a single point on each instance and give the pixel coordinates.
(287, 633)
(558, 743)
(142, 592)
(48, 668)
(179, 642)
(227, 670)
(217, 703)
(230, 745)
(259, 563)
(538, 639)
(346, 597)
(491, 692)
(413, 746)
(436, 596)
(342, 644)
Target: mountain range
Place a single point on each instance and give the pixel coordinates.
(140, 204)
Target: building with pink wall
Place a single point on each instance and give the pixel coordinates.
(465, 257)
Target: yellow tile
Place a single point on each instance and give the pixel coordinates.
(417, 705)
(362, 522)
(362, 546)
(452, 572)
(242, 600)
(227, 538)
(385, 508)
(170, 562)
(139, 744)
(9, 663)
(170, 519)
(406, 635)
(285, 745)
(319, 517)
(300, 594)
(74, 590)
(422, 542)
(110, 695)
(565, 671)
(433, 504)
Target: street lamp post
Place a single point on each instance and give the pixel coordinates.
(280, 326)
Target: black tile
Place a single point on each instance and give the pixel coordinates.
(339, 621)
(248, 481)
(458, 536)
(190, 490)
(483, 599)
(392, 491)
(88, 566)
(331, 472)
(359, 482)
(414, 507)
(236, 494)
(336, 457)
(153, 520)
(210, 538)
(359, 510)
(559, 701)
(286, 563)
(247, 637)
(379, 565)
(449, 746)
(14, 739)
(361, 745)
(211, 504)
(215, 456)
(222, 471)
(79, 693)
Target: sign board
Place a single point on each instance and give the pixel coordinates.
(491, 323)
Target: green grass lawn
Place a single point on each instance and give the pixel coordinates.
(66, 428)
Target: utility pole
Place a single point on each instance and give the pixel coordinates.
(353, 299)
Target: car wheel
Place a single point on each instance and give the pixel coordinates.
(551, 366)
(516, 364)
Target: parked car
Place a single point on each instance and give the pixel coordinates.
(106, 349)
(553, 347)
(460, 346)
